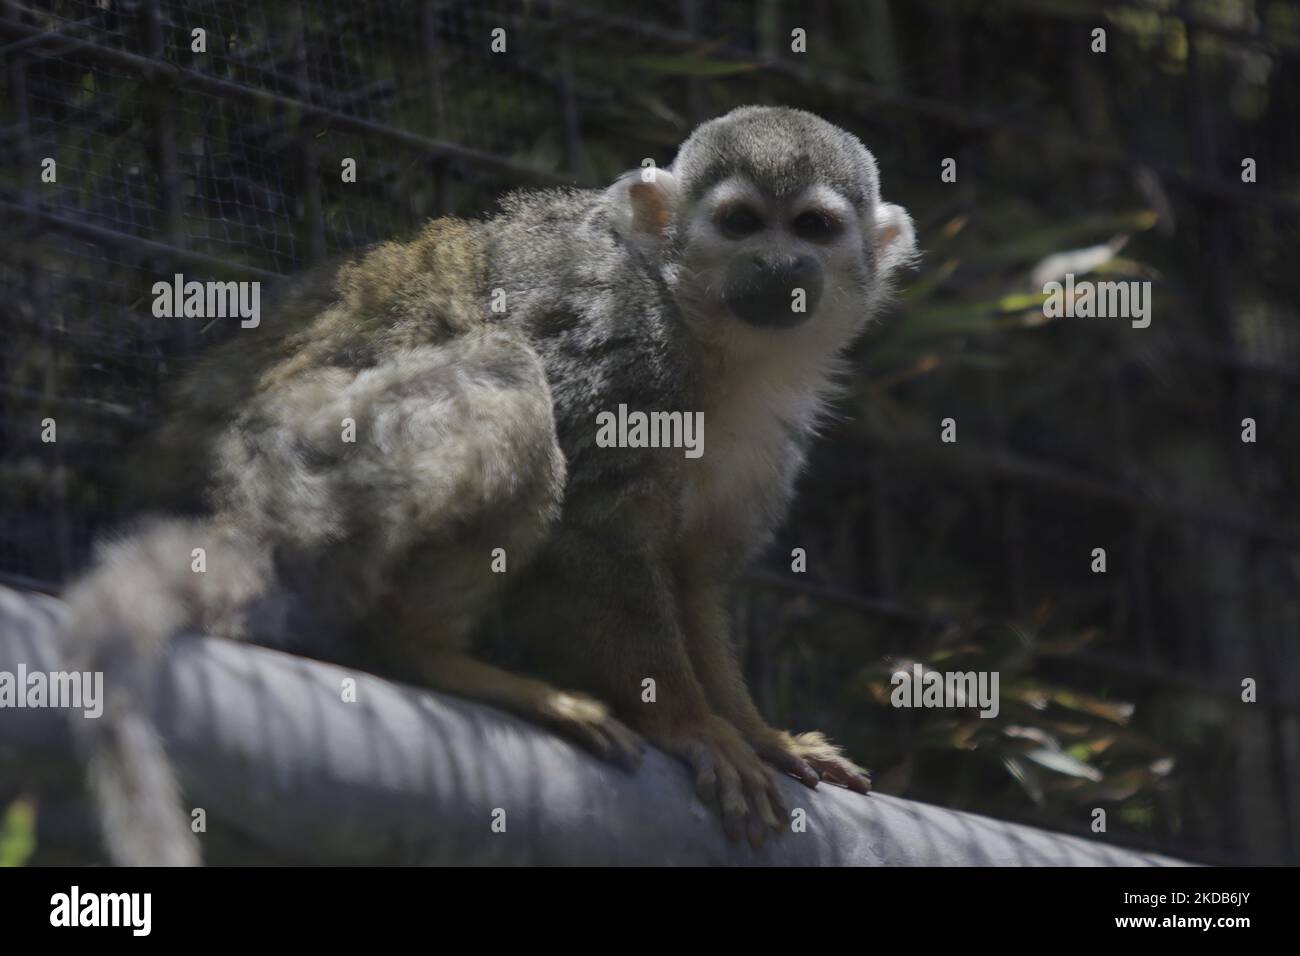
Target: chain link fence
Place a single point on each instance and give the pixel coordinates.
(207, 138)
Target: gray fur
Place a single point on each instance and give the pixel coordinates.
(476, 431)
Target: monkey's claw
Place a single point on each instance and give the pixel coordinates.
(811, 757)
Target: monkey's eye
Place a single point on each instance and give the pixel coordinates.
(736, 222)
(816, 226)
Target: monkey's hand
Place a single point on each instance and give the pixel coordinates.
(729, 776)
(810, 757)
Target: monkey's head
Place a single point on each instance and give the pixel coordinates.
(770, 218)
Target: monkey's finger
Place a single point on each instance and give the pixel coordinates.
(731, 799)
(754, 828)
(621, 755)
(589, 736)
(626, 745)
(706, 778)
(846, 775)
(791, 763)
(761, 816)
(764, 797)
(769, 806)
(716, 784)
(780, 810)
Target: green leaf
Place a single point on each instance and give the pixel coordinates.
(18, 833)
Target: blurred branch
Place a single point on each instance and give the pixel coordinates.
(1022, 468)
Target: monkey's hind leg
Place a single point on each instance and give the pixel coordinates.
(455, 467)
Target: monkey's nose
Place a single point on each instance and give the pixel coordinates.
(776, 290)
(789, 270)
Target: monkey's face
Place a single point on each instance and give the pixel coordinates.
(770, 262)
(769, 230)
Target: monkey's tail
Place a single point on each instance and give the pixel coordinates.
(165, 578)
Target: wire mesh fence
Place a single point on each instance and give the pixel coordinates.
(207, 137)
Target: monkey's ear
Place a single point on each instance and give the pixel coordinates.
(642, 202)
(895, 238)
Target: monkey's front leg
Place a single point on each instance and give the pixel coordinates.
(616, 635)
(809, 757)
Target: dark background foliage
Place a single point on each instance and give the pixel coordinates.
(1120, 690)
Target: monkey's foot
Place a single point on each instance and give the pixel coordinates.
(587, 722)
(584, 720)
(729, 776)
(811, 757)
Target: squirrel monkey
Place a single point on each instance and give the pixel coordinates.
(472, 363)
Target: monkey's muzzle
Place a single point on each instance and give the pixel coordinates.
(777, 292)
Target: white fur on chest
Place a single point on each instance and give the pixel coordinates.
(754, 418)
